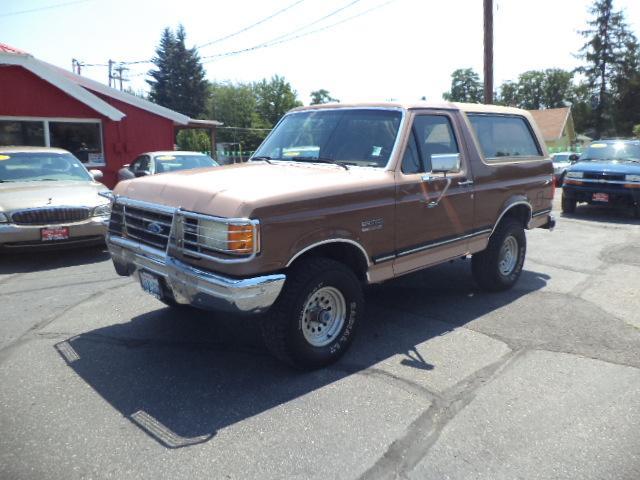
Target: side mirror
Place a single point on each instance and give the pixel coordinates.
(142, 173)
(96, 174)
(445, 163)
(574, 158)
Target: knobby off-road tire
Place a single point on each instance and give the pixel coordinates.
(499, 266)
(568, 204)
(303, 328)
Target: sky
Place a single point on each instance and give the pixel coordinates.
(390, 49)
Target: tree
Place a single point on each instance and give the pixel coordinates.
(508, 94)
(236, 106)
(274, 98)
(178, 82)
(603, 53)
(465, 87)
(625, 87)
(531, 90)
(557, 88)
(322, 96)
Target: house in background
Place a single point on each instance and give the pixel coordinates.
(44, 105)
(557, 127)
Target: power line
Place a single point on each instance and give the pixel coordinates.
(48, 7)
(273, 15)
(268, 42)
(273, 42)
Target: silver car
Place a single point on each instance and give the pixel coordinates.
(562, 161)
(48, 198)
(151, 163)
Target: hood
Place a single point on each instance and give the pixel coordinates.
(619, 167)
(22, 195)
(238, 190)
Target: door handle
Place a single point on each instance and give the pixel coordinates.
(465, 183)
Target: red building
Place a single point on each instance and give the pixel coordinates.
(44, 105)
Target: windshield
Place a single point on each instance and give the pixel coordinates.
(612, 151)
(561, 157)
(41, 166)
(363, 137)
(172, 163)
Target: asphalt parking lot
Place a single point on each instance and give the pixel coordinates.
(102, 381)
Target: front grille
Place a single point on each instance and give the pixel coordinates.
(608, 177)
(144, 225)
(50, 215)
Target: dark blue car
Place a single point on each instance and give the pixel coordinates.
(607, 173)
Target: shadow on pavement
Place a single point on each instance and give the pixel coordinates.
(181, 375)
(26, 261)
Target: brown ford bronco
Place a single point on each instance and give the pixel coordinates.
(337, 197)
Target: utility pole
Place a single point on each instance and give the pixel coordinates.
(110, 71)
(120, 77)
(76, 66)
(488, 51)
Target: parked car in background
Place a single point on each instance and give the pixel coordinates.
(337, 197)
(608, 173)
(562, 161)
(151, 163)
(48, 198)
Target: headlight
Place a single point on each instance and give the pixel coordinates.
(102, 210)
(233, 238)
(575, 174)
(632, 178)
(3, 218)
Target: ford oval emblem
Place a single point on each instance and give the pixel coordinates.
(154, 227)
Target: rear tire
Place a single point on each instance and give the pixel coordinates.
(314, 320)
(568, 204)
(499, 266)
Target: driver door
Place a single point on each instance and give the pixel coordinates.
(434, 211)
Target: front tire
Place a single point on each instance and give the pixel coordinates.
(568, 204)
(499, 266)
(314, 320)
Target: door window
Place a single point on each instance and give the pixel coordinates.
(430, 135)
(140, 164)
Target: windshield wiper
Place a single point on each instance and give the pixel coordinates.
(318, 160)
(263, 157)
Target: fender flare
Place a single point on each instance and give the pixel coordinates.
(511, 203)
(326, 242)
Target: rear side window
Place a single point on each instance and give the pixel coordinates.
(503, 136)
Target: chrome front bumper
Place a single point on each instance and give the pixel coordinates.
(86, 231)
(191, 286)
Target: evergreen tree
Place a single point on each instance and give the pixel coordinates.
(178, 81)
(603, 53)
(625, 87)
(465, 87)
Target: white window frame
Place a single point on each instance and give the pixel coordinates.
(47, 136)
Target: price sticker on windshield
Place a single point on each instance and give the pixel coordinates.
(4, 157)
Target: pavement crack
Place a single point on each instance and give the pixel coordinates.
(405, 453)
(31, 333)
(77, 284)
(387, 377)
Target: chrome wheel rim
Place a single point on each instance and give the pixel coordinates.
(323, 316)
(508, 256)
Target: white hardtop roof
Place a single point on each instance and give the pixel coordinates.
(82, 88)
(443, 105)
(24, 149)
(176, 153)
